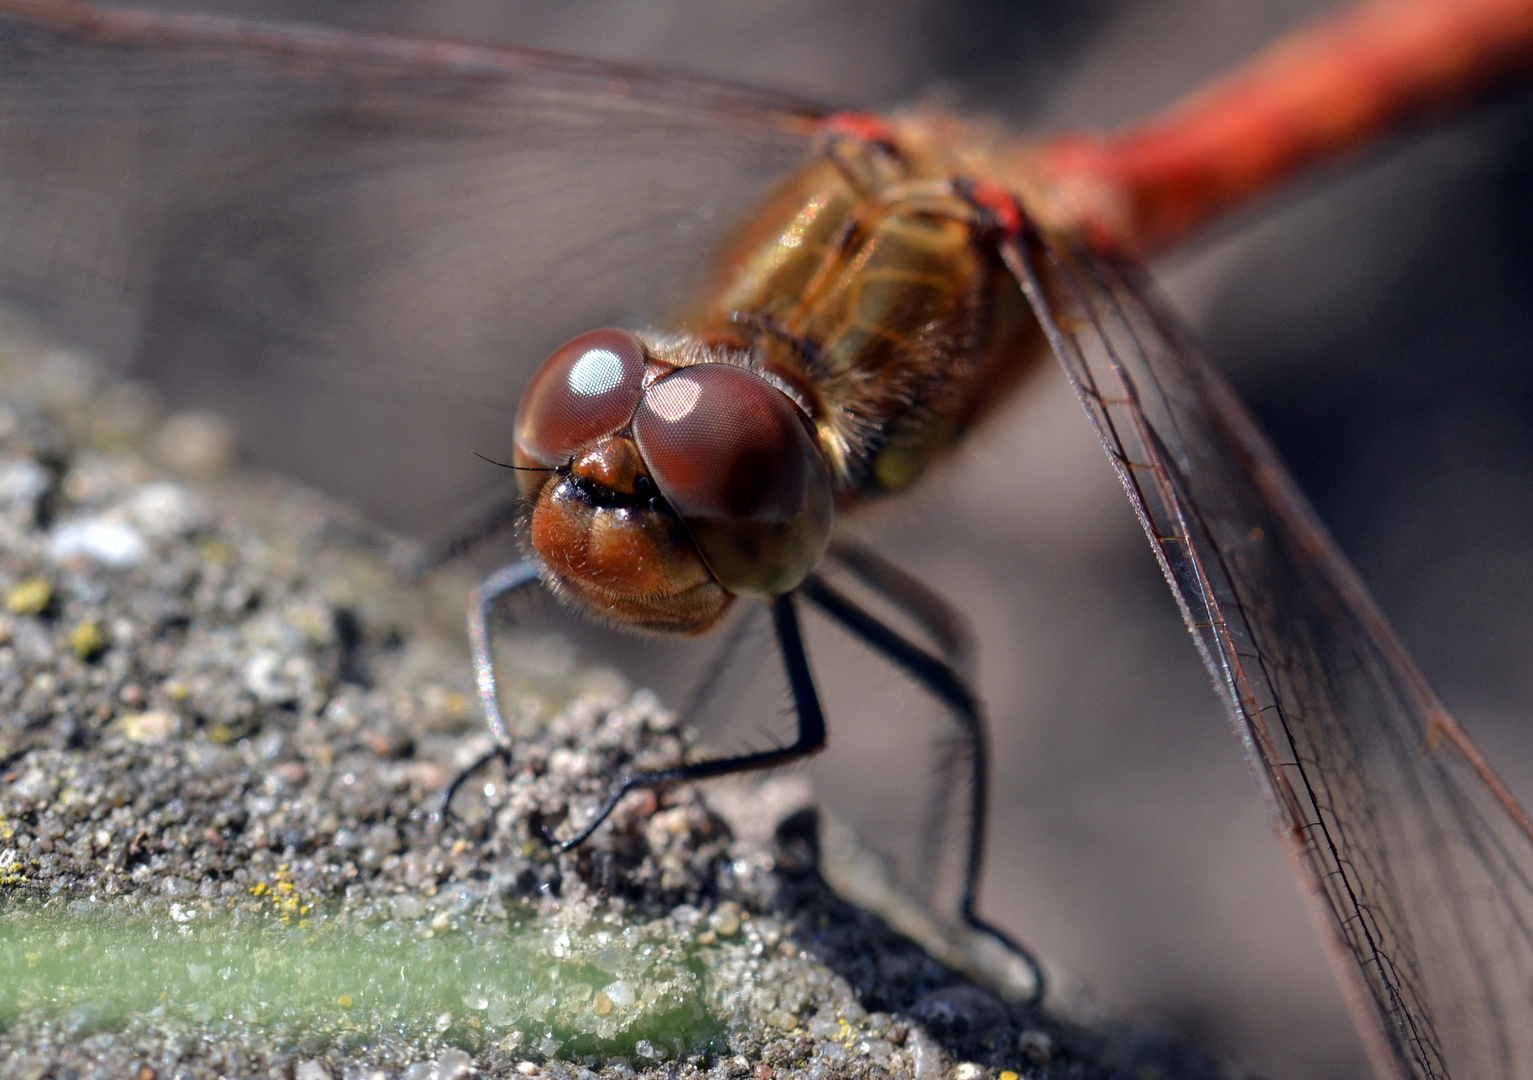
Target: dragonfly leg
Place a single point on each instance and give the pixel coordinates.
(943, 681)
(949, 630)
(507, 579)
(811, 732)
(954, 638)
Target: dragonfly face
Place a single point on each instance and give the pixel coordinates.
(679, 480)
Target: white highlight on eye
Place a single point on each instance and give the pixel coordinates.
(672, 399)
(596, 372)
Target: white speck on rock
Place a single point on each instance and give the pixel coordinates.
(164, 510)
(150, 727)
(34, 786)
(100, 539)
(264, 676)
(311, 1070)
(22, 480)
(453, 1064)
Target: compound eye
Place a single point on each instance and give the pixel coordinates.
(738, 462)
(587, 389)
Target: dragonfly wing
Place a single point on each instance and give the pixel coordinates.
(328, 235)
(1418, 863)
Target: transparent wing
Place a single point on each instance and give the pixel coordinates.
(1419, 863)
(330, 235)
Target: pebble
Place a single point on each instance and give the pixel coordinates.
(453, 1063)
(199, 444)
(163, 510)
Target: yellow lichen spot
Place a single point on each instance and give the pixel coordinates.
(345, 1001)
(221, 734)
(214, 550)
(6, 832)
(260, 888)
(87, 641)
(284, 887)
(29, 597)
(1009, 1075)
(316, 624)
(177, 690)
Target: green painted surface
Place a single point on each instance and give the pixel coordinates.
(605, 989)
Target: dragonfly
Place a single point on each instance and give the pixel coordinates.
(205, 186)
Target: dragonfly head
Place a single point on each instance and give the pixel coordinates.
(676, 484)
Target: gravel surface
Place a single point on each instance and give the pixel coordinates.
(224, 728)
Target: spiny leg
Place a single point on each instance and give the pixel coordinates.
(507, 579)
(942, 681)
(811, 732)
(951, 632)
(954, 638)
(745, 624)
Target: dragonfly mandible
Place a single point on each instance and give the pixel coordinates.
(215, 141)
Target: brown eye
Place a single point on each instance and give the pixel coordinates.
(737, 462)
(587, 389)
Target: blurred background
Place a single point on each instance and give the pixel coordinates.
(1373, 317)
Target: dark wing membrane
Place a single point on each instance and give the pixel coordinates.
(344, 239)
(1419, 863)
